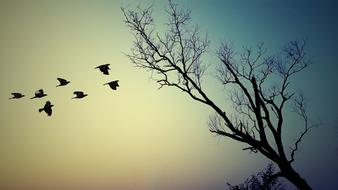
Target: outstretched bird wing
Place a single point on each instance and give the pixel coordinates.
(47, 108)
(61, 80)
(103, 66)
(113, 84)
(16, 94)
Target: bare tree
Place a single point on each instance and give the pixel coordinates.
(260, 84)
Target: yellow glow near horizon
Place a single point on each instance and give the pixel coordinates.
(136, 137)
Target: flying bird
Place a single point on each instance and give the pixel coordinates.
(16, 95)
(79, 94)
(47, 108)
(113, 84)
(104, 68)
(39, 94)
(63, 82)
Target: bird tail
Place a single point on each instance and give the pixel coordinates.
(32, 97)
(11, 98)
(41, 109)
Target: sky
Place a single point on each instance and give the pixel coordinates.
(139, 137)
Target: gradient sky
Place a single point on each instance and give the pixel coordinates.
(139, 137)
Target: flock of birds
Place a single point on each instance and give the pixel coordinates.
(63, 82)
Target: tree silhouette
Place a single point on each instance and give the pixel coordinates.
(264, 180)
(259, 84)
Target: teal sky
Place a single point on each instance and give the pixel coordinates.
(139, 137)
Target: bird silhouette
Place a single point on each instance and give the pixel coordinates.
(104, 68)
(16, 95)
(39, 94)
(79, 94)
(113, 84)
(63, 82)
(47, 108)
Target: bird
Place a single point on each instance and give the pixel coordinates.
(79, 94)
(63, 82)
(47, 108)
(39, 94)
(113, 84)
(16, 95)
(104, 68)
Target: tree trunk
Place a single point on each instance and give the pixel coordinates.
(289, 173)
